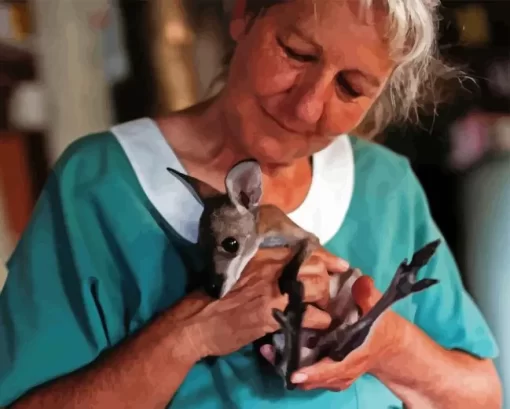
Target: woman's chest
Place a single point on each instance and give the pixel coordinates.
(377, 245)
(239, 381)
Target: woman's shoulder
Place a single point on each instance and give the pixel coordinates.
(380, 163)
(384, 175)
(385, 181)
(126, 167)
(127, 155)
(388, 203)
(90, 158)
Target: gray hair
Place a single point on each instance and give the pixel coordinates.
(421, 78)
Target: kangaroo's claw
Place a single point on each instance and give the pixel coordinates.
(291, 320)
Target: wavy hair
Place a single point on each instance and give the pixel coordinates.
(421, 80)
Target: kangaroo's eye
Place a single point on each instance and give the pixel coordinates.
(230, 245)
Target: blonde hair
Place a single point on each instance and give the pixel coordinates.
(421, 79)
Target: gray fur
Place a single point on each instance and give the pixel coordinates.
(234, 216)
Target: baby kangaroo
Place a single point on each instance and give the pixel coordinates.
(234, 225)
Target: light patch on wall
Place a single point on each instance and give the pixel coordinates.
(473, 25)
(28, 108)
(6, 239)
(3, 274)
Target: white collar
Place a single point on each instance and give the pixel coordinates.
(322, 212)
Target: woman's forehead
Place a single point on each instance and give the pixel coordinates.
(315, 13)
(337, 27)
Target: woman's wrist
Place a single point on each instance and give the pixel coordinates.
(425, 375)
(394, 355)
(184, 347)
(186, 342)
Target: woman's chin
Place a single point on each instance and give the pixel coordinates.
(274, 163)
(275, 155)
(271, 169)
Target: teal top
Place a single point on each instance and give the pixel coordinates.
(112, 236)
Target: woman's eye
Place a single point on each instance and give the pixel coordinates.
(346, 86)
(294, 54)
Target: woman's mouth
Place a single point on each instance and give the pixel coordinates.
(278, 123)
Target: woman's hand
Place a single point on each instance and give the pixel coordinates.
(219, 327)
(382, 340)
(315, 275)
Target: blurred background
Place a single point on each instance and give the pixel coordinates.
(72, 67)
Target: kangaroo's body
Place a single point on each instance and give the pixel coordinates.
(234, 225)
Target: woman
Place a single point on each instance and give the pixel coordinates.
(95, 311)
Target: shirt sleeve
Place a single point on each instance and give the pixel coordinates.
(446, 311)
(51, 319)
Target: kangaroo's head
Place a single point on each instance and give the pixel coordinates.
(228, 225)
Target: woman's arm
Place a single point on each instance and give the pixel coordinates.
(429, 370)
(424, 375)
(144, 371)
(147, 369)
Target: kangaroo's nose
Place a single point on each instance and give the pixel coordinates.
(213, 285)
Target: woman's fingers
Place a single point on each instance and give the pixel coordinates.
(315, 318)
(268, 353)
(316, 280)
(316, 288)
(333, 264)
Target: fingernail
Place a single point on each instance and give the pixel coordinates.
(267, 352)
(299, 378)
(342, 263)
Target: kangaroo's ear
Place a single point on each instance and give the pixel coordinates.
(244, 185)
(199, 189)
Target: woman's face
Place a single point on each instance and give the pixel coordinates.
(301, 75)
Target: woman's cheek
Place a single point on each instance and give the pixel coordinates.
(344, 117)
(272, 82)
(271, 76)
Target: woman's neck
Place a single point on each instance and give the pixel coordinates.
(204, 146)
(288, 187)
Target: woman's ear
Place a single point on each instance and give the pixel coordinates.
(238, 19)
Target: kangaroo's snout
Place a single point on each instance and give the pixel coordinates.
(213, 284)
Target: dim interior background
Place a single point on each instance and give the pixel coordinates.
(72, 67)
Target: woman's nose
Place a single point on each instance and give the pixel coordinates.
(310, 99)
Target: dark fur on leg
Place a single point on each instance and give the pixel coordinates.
(291, 319)
(403, 284)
